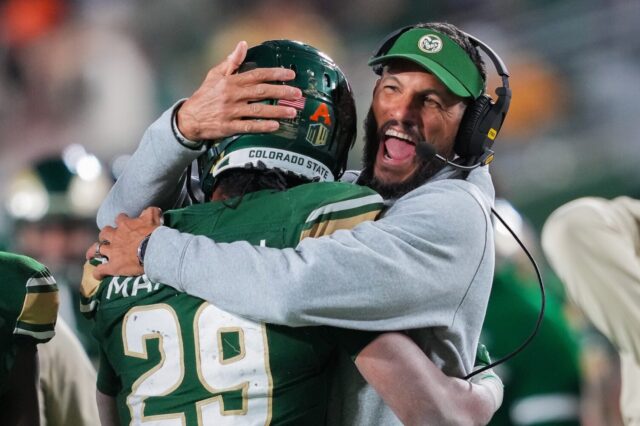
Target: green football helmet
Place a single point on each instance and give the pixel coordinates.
(314, 145)
(64, 187)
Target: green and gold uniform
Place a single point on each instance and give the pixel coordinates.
(28, 307)
(174, 359)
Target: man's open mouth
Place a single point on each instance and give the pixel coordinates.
(398, 145)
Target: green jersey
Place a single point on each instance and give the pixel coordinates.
(28, 307)
(171, 358)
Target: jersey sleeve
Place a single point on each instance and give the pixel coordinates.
(339, 206)
(89, 288)
(37, 318)
(28, 307)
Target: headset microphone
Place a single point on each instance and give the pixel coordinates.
(426, 151)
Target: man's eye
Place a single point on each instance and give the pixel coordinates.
(390, 89)
(431, 102)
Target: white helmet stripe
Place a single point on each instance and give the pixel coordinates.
(273, 158)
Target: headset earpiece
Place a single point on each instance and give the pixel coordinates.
(483, 118)
(469, 141)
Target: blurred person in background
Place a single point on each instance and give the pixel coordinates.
(28, 313)
(593, 244)
(303, 19)
(53, 384)
(67, 381)
(53, 204)
(543, 382)
(65, 67)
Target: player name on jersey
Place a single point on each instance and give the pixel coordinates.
(131, 286)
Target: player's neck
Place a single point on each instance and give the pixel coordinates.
(218, 194)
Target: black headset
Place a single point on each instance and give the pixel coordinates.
(483, 117)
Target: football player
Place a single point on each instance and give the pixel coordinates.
(65, 190)
(56, 225)
(28, 311)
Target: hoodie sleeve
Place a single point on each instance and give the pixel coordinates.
(412, 268)
(154, 175)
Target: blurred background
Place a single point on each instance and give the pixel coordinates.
(96, 72)
(80, 80)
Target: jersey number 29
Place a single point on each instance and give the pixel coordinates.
(246, 371)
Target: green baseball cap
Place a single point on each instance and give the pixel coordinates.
(439, 55)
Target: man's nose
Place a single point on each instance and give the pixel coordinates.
(404, 111)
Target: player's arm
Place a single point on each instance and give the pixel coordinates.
(592, 243)
(108, 409)
(405, 259)
(20, 404)
(417, 391)
(32, 316)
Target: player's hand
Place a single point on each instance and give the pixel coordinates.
(120, 244)
(488, 384)
(491, 385)
(225, 102)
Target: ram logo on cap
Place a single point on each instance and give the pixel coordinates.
(430, 43)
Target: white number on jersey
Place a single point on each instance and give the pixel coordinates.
(247, 371)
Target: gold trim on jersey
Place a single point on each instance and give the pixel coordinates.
(344, 205)
(40, 308)
(219, 400)
(89, 285)
(328, 227)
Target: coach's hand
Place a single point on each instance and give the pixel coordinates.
(225, 102)
(120, 244)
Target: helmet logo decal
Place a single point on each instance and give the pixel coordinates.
(322, 112)
(317, 134)
(295, 103)
(289, 126)
(430, 43)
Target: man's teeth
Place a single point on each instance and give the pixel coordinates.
(385, 153)
(399, 135)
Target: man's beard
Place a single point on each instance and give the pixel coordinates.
(425, 169)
